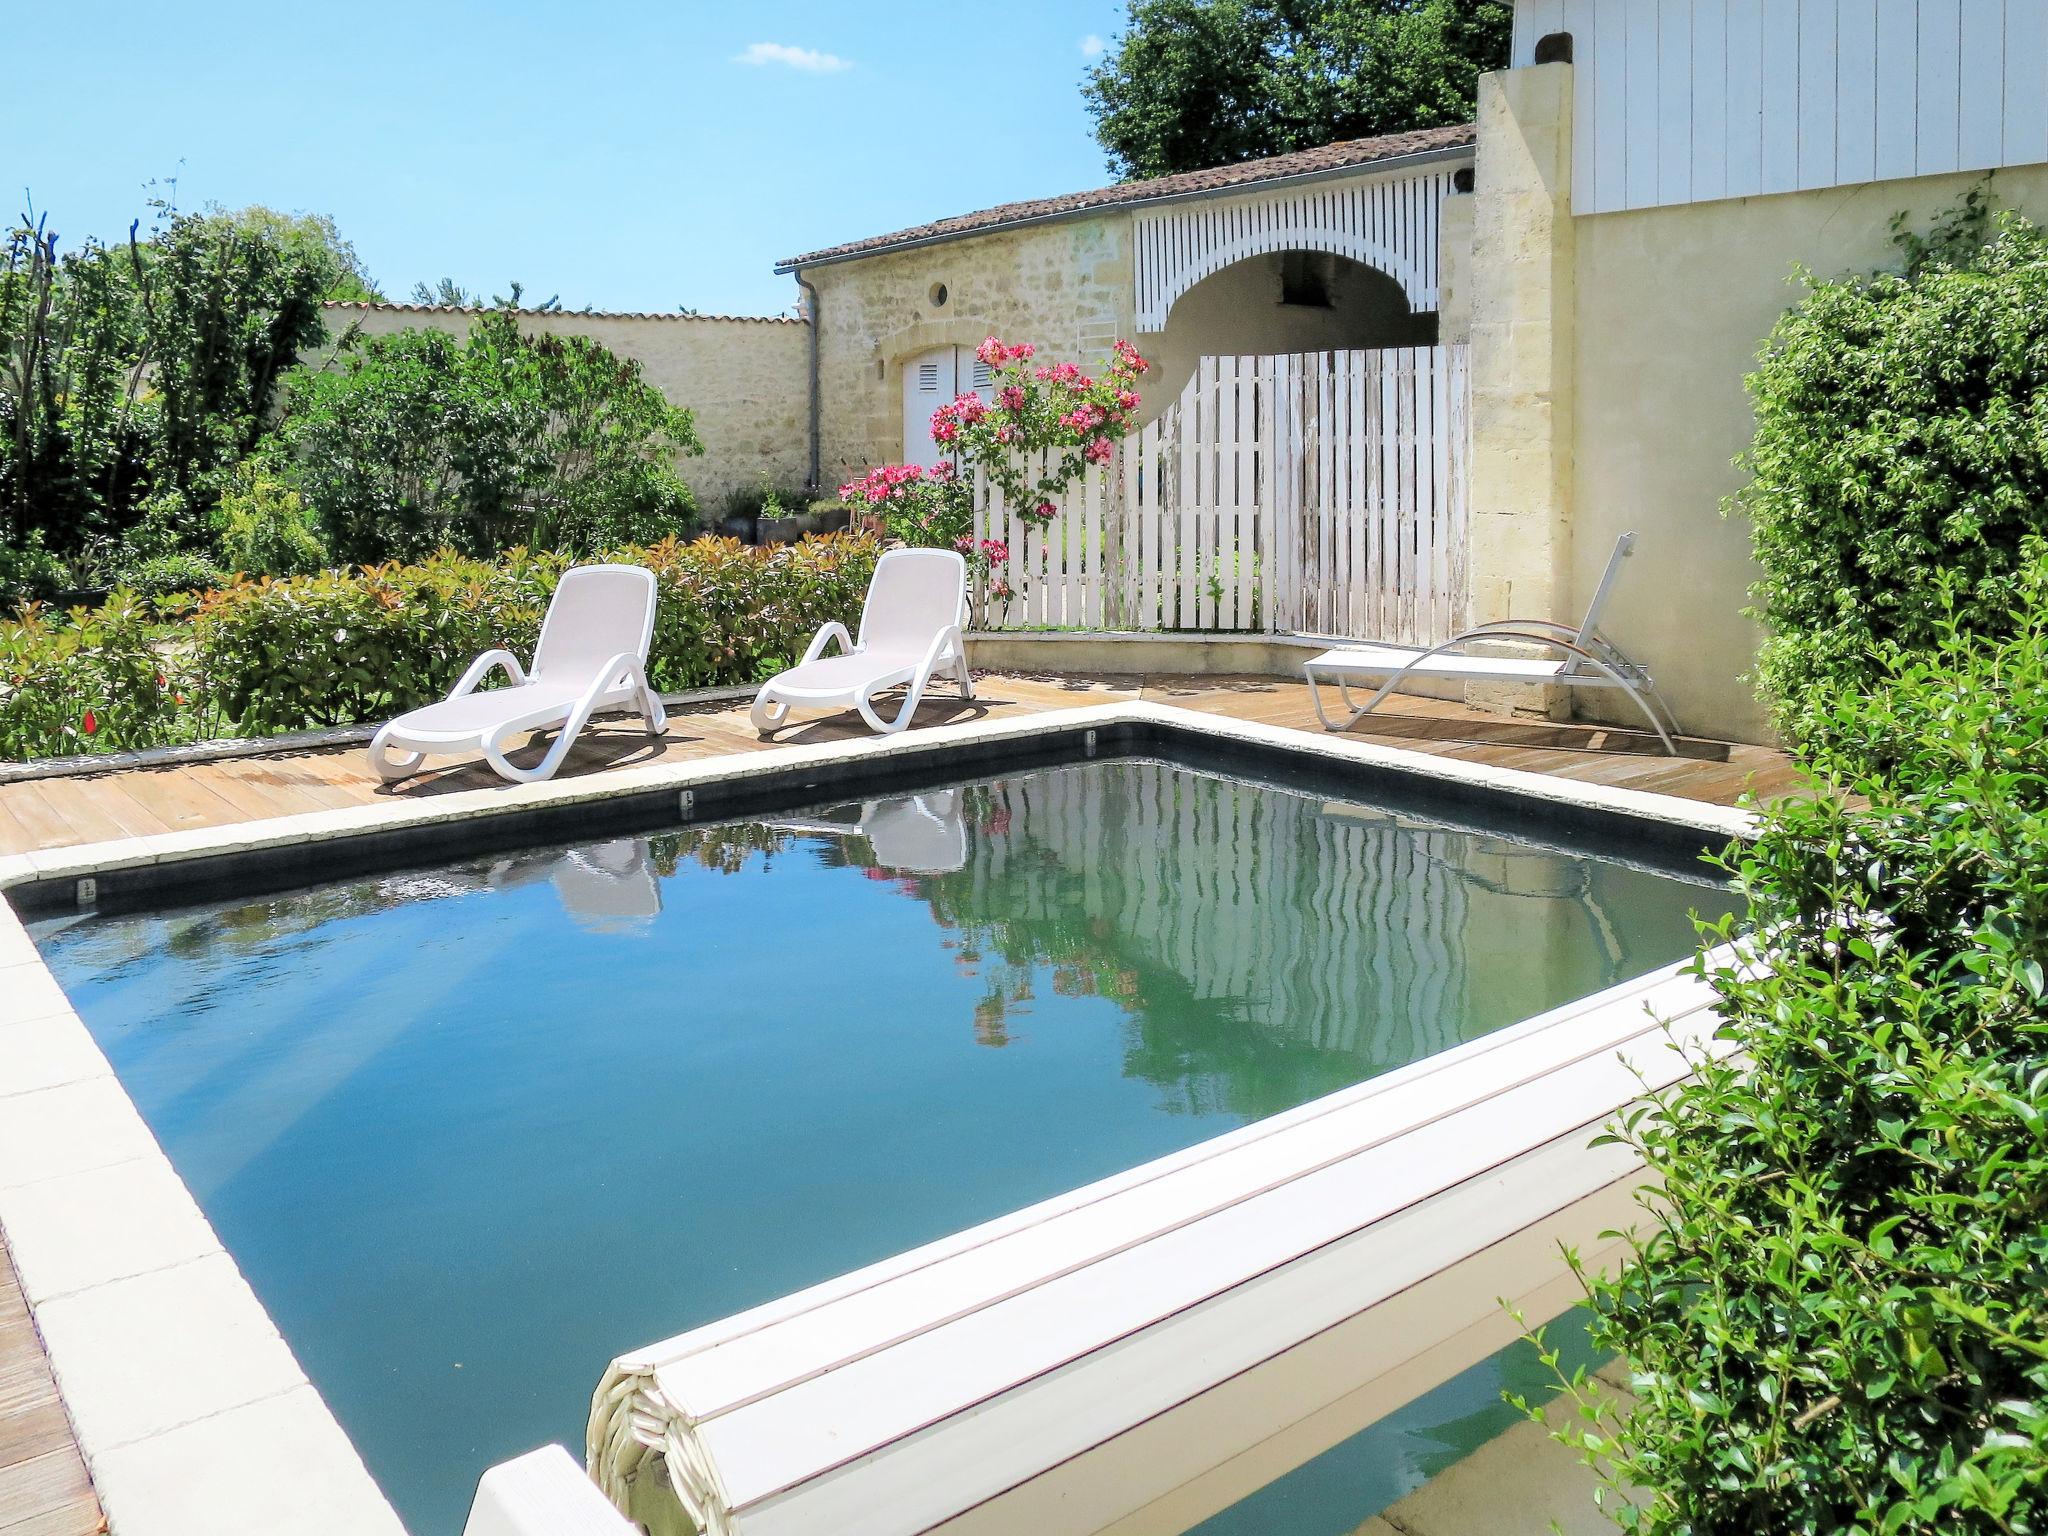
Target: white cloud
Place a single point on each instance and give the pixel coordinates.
(1093, 47)
(808, 59)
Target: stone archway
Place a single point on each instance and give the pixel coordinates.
(1277, 302)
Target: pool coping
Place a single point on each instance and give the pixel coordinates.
(191, 1411)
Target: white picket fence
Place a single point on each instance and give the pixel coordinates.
(1317, 493)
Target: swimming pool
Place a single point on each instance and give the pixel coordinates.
(471, 1129)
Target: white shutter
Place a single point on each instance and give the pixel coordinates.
(928, 382)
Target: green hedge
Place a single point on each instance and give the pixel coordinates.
(1837, 1315)
(262, 656)
(1901, 440)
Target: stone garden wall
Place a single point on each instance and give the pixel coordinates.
(745, 378)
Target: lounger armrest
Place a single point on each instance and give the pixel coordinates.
(626, 667)
(946, 639)
(481, 668)
(1482, 631)
(826, 633)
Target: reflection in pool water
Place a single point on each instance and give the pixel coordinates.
(467, 1150)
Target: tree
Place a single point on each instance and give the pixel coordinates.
(1193, 84)
(419, 439)
(318, 234)
(136, 376)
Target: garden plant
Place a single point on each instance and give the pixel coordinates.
(259, 656)
(1835, 1307)
(1900, 459)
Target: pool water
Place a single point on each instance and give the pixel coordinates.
(473, 1130)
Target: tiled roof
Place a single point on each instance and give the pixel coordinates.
(1342, 156)
(588, 314)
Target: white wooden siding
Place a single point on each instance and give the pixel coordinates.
(1692, 100)
(1388, 222)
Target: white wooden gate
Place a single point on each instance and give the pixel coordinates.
(1319, 493)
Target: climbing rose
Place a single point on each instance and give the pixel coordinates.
(1055, 410)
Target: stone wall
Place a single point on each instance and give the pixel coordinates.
(746, 379)
(1066, 287)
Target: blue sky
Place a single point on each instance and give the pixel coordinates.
(621, 153)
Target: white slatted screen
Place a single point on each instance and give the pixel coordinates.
(1684, 101)
(1316, 492)
(1389, 222)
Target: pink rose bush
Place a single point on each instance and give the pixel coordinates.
(1040, 430)
(931, 508)
(1056, 409)
(988, 563)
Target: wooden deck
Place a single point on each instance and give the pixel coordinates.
(44, 1490)
(55, 813)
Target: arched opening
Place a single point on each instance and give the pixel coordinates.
(1281, 301)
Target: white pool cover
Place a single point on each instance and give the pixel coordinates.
(1143, 1351)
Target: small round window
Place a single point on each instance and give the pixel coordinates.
(938, 295)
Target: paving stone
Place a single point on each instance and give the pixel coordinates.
(281, 1464)
(86, 1229)
(138, 1357)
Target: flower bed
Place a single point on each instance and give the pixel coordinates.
(259, 657)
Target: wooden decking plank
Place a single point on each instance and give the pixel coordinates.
(50, 1495)
(99, 811)
(252, 792)
(44, 1488)
(41, 824)
(42, 815)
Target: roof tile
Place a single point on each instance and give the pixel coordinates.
(1304, 162)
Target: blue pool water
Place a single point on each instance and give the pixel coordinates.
(473, 1130)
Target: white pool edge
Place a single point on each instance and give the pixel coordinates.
(192, 1413)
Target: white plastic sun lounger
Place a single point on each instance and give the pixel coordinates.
(592, 655)
(1590, 660)
(909, 633)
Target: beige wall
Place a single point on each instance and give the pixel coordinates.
(1673, 306)
(1238, 311)
(747, 380)
(1066, 287)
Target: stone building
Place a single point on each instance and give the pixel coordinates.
(1593, 265)
(1323, 250)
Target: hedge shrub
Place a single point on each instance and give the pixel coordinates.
(102, 682)
(1902, 435)
(1837, 1313)
(261, 656)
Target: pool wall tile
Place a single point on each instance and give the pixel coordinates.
(142, 1356)
(294, 1472)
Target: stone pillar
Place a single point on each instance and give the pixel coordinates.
(1522, 298)
(1454, 270)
